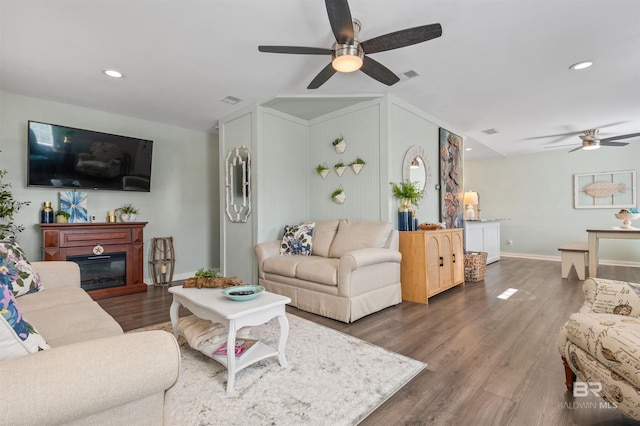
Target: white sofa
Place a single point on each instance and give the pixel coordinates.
(353, 270)
(93, 373)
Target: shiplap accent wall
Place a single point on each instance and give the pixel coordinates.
(360, 128)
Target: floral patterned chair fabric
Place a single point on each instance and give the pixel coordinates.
(601, 342)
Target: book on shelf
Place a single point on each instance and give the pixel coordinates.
(242, 346)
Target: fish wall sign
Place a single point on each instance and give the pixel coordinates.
(605, 190)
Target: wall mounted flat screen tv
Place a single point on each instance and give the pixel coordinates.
(65, 157)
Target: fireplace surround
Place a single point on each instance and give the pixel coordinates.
(110, 255)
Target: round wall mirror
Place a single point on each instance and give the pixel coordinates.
(415, 167)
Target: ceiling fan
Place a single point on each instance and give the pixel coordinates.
(349, 54)
(591, 141)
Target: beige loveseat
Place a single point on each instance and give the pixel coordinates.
(600, 345)
(353, 270)
(93, 374)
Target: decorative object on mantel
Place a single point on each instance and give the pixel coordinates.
(75, 203)
(605, 190)
(357, 165)
(128, 213)
(210, 278)
(339, 144)
(338, 196)
(163, 261)
(322, 170)
(46, 215)
(409, 195)
(451, 211)
(340, 168)
(627, 216)
(62, 216)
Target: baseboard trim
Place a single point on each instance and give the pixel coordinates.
(557, 259)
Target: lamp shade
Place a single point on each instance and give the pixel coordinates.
(470, 198)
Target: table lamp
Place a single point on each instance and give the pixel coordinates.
(470, 200)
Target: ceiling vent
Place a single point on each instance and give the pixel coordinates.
(490, 131)
(409, 74)
(231, 100)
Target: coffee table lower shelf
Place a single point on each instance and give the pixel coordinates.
(256, 353)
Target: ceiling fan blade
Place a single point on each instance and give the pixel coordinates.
(376, 70)
(402, 38)
(576, 149)
(340, 20)
(615, 138)
(296, 50)
(610, 143)
(322, 77)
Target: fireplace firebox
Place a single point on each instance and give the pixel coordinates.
(102, 271)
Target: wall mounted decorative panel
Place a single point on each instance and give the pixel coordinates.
(605, 190)
(451, 211)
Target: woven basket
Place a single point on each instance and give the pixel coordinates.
(475, 265)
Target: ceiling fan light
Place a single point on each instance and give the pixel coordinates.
(590, 145)
(347, 57)
(581, 65)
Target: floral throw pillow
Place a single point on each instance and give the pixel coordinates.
(297, 240)
(16, 271)
(17, 336)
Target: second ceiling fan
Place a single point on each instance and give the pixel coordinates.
(591, 141)
(349, 54)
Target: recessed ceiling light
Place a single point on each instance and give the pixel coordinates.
(113, 73)
(468, 149)
(581, 65)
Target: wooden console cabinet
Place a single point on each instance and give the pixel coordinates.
(59, 241)
(432, 261)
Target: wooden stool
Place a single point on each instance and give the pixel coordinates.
(574, 254)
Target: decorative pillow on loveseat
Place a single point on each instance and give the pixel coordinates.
(297, 240)
(17, 336)
(25, 278)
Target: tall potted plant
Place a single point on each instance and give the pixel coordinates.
(409, 195)
(8, 208)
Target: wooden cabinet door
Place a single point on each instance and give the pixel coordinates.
(457, 253)
(446, 261)
(434, 263)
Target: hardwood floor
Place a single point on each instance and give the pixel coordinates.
(490, 361)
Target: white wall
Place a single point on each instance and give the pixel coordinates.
(534, 194)
(183, 201)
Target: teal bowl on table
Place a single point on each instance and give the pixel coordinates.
(243, 292)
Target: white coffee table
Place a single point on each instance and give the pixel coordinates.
(211, 304)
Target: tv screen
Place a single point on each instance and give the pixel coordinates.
(65, 157)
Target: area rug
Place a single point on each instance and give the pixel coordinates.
(332, 379)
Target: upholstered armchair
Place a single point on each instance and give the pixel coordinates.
(600, 344)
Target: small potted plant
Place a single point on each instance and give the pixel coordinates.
(339, 144)
(340, 168)
(357, 165)
(407, 192)
(322, 170)
(128, 213)
(62, 216)
(338, 196)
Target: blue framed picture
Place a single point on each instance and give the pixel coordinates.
(74, 203)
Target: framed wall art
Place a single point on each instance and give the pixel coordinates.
(606, 190)
(451, 209)
(74, 203)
